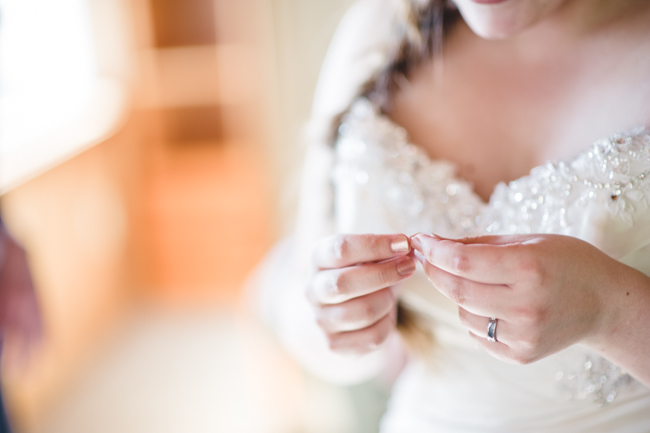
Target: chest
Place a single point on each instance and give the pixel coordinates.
(497, 112)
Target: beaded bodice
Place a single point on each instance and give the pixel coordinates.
(421, 194)
(598, 196)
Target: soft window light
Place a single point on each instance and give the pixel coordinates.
(54, 100)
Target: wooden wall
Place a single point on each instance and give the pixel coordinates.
(180, 203)
(172, 210)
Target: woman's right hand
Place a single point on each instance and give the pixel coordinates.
(351, 288)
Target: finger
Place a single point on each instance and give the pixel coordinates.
(478, 326)
(499, 350)
(341, 251)
(356, 313)
(493, 239)
(365, 340)
(507, 353)
(485, 263)
(478, 298)
(333, 286)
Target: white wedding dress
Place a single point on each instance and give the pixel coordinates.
(384, 184)
(374, 181)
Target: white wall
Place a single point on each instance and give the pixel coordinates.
(302, 31)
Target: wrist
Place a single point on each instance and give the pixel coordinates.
(622, 300)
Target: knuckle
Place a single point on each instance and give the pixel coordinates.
(333, 344)
(337, 343)
(531, 342)
(384, 276)
(363, 314)
(456, 291)
(460, 264)
(338, 286)
(376, 336)
(428, 253)
(387, 298)
(533, 269)
(523, 358)
(376, 245)
(532, 315)
(464, 318)
(322, 322)
(340, 247)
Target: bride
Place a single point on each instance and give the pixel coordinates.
(483, 140)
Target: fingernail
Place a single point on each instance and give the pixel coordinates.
(400, 245)
(416, 243)
(418, 255)
(406, 266)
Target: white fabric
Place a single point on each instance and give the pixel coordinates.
(383, 184)
(285, 274)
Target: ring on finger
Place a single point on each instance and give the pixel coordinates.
(492, 330)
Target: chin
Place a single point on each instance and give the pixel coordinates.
(500, 19)
(495, 29)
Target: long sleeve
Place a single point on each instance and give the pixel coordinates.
(356, 52)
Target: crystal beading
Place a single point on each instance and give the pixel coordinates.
(425, 195)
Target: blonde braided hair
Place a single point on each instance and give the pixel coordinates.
(422, 25)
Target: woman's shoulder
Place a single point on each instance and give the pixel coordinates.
(359, 48)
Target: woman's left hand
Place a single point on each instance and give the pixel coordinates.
(547, 291)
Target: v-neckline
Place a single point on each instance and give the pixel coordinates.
(418, 190)
(456, 177)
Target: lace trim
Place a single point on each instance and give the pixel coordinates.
(421, 194)
(592, 377)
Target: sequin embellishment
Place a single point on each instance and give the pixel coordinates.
(425, 195)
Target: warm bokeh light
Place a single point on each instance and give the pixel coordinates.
(60, 92)
(147, 159)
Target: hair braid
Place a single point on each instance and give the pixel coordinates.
(423, 24)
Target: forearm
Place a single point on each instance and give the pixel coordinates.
(624, 334)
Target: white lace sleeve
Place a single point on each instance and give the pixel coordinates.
(358, 50)
(354, 55)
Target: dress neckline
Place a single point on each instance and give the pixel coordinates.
(385, 183)
(608, 145)
(420, 189)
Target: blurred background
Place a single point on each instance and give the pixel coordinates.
(149, 152)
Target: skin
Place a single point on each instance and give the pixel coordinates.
(351, 289)
(543, 305)
(524, 81)
(495, 21)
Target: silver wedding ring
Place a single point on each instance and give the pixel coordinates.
(492, 330)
